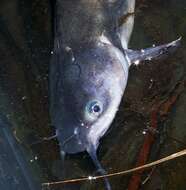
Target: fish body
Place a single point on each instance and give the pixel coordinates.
(84, 56)
(89, 69)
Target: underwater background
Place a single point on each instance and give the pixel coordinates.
(26, 40)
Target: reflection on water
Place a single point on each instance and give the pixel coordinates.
(25, 43)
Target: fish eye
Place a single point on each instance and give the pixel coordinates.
(94, 109)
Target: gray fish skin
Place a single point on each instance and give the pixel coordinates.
(89, 69)
(86, 66)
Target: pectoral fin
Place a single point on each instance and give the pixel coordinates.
(136, 56)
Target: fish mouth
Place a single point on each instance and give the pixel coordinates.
(71, 144)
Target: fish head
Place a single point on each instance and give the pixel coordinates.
(89, 93)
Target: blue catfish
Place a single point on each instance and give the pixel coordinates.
(89, 70)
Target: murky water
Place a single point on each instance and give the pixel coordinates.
(25, 45)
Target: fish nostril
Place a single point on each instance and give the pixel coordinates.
(82, 124)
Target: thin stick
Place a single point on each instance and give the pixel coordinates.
(165, 159)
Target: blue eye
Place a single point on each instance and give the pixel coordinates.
(94, 109)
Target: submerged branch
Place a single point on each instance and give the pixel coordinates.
(146, 166)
